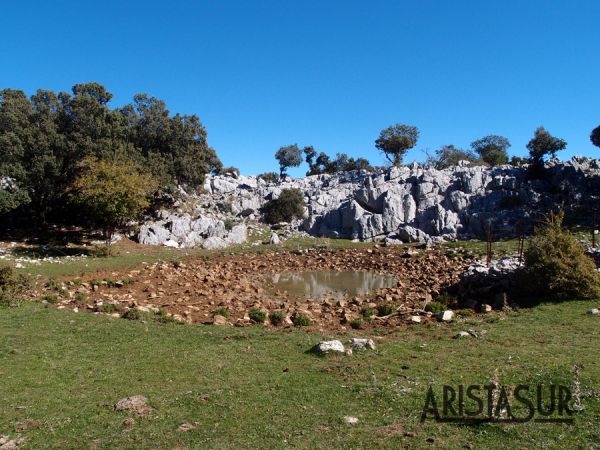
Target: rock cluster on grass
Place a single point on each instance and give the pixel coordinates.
(400, 204)
(482, 287)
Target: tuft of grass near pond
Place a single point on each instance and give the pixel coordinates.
(62, 372)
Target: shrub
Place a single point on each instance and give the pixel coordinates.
(277, 317)
(80, 296)
(288, 206)
(109, 308)
(12, 285)
(228, 224)
(269, 177)
(226, 208)
(385, 309)
(301, 320)
(435, 307)
(556, 266)
(52, 299)
(221, 311)
(257, 315)
(162, 317)
(132, 314)
(367, 312)
(357, 323)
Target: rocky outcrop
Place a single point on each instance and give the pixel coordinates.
(400, 204)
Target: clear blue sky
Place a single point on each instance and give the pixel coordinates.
(332, 74)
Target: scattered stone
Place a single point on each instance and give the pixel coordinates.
(185, 427)
(350, 420)
(274, 239)
(361, 344)
(486, 308)
(462, 334)
(593, 311)
(334, 346)
(137, 404)
(414, 319)
(219, 320)
(445, 316)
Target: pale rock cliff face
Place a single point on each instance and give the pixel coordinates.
(410, 203)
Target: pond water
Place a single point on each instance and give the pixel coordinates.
(319, 284)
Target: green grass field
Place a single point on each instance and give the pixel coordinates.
(62, 372)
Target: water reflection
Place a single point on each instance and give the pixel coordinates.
(319, 284)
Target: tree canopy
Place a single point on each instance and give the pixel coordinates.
(288, 156)
(595, 136)
(492, 149)
(543, 144)
(449, 155)
(396, 140)
(43, 138)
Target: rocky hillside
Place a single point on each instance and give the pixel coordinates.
(410, 203)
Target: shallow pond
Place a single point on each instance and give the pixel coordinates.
(319, 284)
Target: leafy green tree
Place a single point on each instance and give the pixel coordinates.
(449, 155)
(396, 140)
(543, 144)
(288, 156)
(112, 193)
(492, 149)
(595, 136)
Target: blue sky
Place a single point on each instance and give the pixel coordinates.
(332, 74)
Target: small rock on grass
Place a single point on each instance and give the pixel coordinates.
(462, 334)
(445, 316)
(137, 404)
(185, 427)
(350, 420)
(329, 347)
(414, 319)
(361, 344)
(593, 311)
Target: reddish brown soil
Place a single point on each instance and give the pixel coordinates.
(192, 290)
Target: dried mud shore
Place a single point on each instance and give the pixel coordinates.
(191, 291)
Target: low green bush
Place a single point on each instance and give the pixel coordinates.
(12, 285)
(221, 311)
(301, 320)
(357, 323)
(556, 266)
(276, 317)
(257, 315)
(435, 307)
(269, 177)
(385, 309)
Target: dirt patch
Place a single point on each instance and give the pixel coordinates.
(233, 285)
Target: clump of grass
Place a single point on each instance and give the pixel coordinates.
(385, 309)
(12, 285)
(226, 208)
(52, 299)
(132, 314)
(221, 311)
(465, 313)
(95, 282)
(77, 281)
(301, 320)
(109, 308)
(228, 224)
(80, 296)
(367, 312)
(435, 307)
(357, 324)
(257, 315)
(53, 285)
(127, 280)
(162, 317)
(110, 282)
(276, 317)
